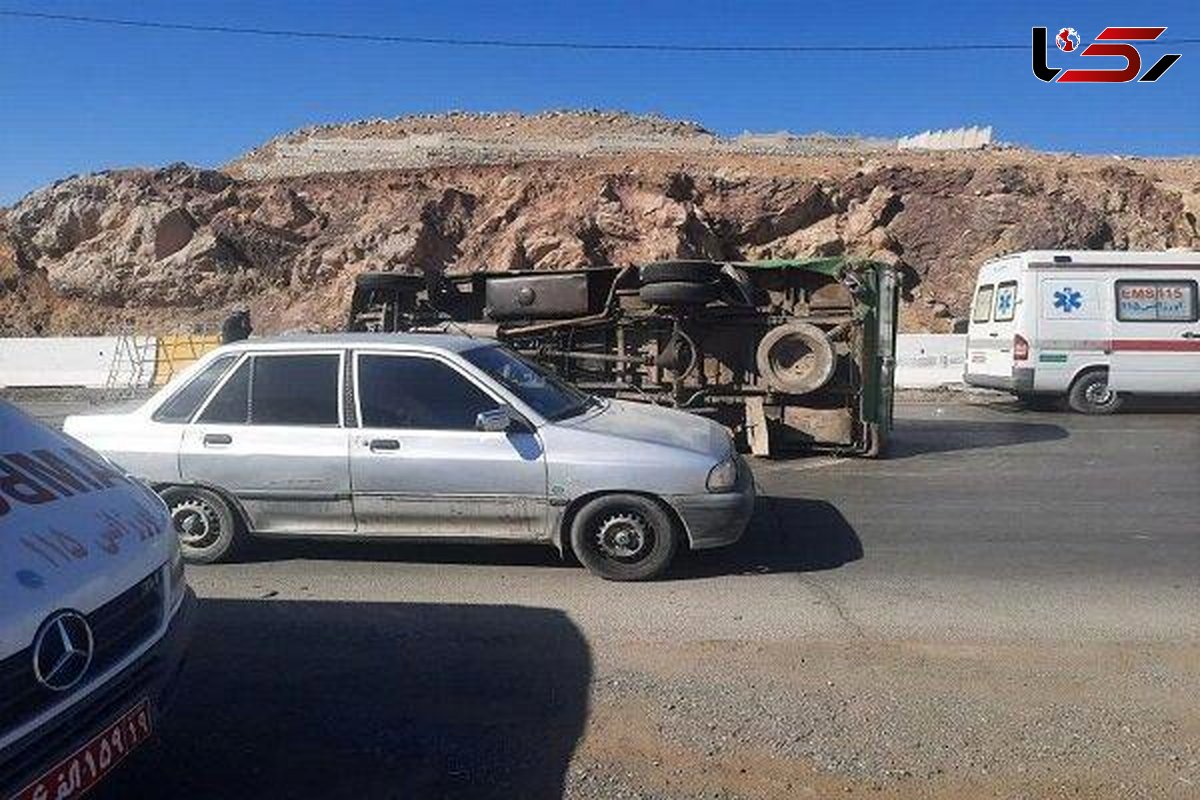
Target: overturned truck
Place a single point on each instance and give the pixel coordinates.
(790, 355)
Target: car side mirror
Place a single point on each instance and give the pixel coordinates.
(496, 420)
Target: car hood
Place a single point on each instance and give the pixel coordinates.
(641, 422)
(74, 530)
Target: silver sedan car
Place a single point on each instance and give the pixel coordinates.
(424, 436)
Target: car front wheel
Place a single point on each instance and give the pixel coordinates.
(203, 521)
(624, 537)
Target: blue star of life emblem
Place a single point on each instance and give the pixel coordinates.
(1068, 299)
(1004, 303)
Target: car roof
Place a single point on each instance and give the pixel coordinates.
(453, 343)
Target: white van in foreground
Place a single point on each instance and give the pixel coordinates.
(94, 612)
(1091, 324)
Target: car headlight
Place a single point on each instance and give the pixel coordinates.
(723, 477)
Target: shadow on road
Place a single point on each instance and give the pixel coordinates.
(914, 437)
(400, 551)
(290, 699)
(787, 534)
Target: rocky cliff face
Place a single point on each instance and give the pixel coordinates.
(176, 248)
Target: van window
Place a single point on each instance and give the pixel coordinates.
(231, 404)
(180, 406)
(1157, 301)
(295, 390)
(1006, 301)
(983, 303)
(418, 394)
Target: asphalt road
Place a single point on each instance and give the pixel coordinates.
(1006, 606)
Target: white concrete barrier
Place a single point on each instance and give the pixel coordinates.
(90, 361)
(922, 361)
(953, 139)
(929, 360)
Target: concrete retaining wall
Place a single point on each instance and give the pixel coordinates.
(954, 139)
(90, 361)
(928, 360)
(922, 360)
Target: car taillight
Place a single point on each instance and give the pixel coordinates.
(1020, 348)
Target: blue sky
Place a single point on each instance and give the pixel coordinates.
(79, 98)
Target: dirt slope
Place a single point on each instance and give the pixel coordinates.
(283, 231)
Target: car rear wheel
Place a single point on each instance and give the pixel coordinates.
(624, 537)
(1091, 394)
(204, 522)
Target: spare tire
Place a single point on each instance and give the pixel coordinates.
(389, 280)
(680, 293)
(796, 358)
(686, 271)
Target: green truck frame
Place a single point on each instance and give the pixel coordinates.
(789, 354)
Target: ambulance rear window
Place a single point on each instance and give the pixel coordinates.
(1006, 301)
(983, 303)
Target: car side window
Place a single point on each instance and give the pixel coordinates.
(181, 405)
(417, 393)
(231, 404)
(983, 304)
(295, 390)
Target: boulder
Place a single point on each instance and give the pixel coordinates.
(172, 232)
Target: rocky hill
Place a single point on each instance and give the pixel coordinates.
(284, 229)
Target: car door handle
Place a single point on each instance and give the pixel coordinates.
(994, 335)
(217, 438)
(384, 445)
(1191, 334)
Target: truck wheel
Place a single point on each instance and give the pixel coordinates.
(680, 293)
(1091, 394)
(204, 522)
(685, 271)
(389, 280)
(624, 537)
(796, 358)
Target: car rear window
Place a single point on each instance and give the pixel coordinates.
(983, 303)
(295, 390)
(1157, 301)
(180, 406)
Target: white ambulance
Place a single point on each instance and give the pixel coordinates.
(94, 612)
(1094, 325)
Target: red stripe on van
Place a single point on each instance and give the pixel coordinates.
(1157, 345)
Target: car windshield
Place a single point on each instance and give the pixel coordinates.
(541, 390)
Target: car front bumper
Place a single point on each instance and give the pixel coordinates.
(716, 519)
(153, 676)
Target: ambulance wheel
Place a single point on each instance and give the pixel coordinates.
(205, 524)
(1091, 394)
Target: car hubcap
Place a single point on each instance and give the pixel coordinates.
(624, 537)
(195, 522)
